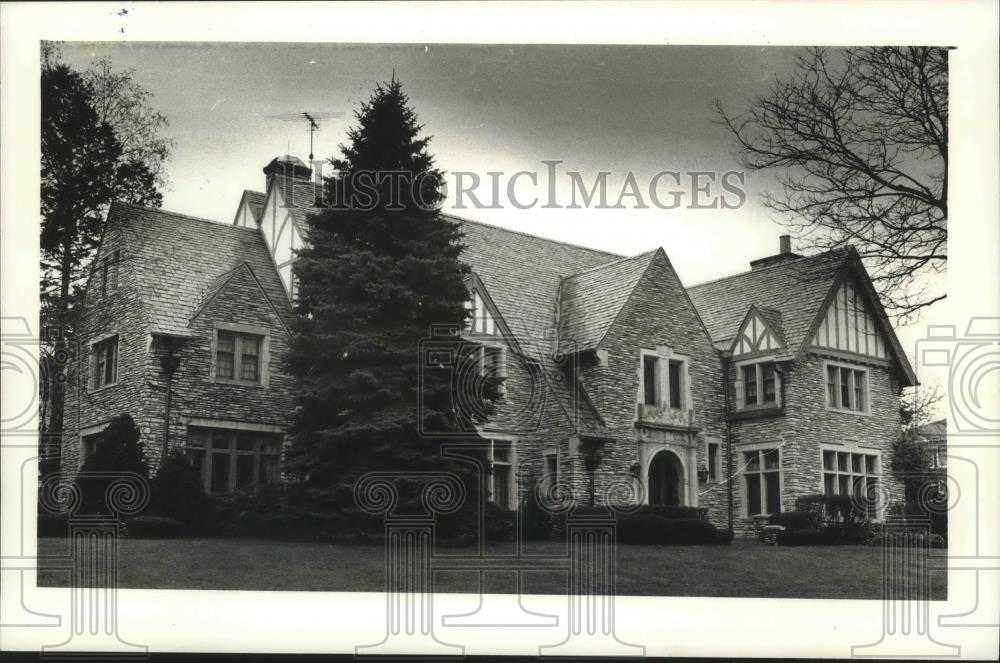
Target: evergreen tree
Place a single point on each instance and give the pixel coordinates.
(379, 269)
(118, 450)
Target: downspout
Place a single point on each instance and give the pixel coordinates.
(729, 441)
(169, 363)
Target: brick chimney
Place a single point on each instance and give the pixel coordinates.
(784, 253)
(288, 167)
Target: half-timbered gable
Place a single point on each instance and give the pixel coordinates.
(760, 333)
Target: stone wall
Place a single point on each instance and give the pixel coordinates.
(805, 423)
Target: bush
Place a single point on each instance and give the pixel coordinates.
(152, 527)
(118, 450)
(793, 520)
(665, 511)
(831, 509)
(803, 537)
(646, 529)
(178, 493)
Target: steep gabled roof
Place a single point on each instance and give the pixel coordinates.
(794, 288)
(179, 259)
(255, 201)
(771, 319)
(798, 289)
(522, 272)
(590, 301)
(219, 284)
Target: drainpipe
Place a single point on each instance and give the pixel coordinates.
(729, 441)
(169, 363)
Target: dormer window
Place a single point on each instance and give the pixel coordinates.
(757, 385)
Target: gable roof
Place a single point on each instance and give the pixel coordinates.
(771, 319)
(935, 431)
(589, 302)
(219, 284)
(798, 290)
(793, 289)
(523, 273)
(179, 261)
(255, 201)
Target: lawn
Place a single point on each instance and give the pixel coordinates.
(743, 569)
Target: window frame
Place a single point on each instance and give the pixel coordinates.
(714, 468)
(108, 340)
(838, 387)
(501, 365)
(232, 452)
(852, 449)
(760, 450)
(511, 463)
(239, 331)
(758, 364)
(663, 388)
(550, 479)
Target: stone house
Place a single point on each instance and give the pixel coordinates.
(737, 396)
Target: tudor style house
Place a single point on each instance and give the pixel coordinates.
(737, 396)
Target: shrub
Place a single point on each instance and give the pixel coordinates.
(802, 537)
(117, 450)
(152, 527)
(646, 529)
(177, 492)
(832, 509)
(536, 522)
(673, 511)
(792, 520)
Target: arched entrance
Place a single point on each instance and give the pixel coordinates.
(665, 479)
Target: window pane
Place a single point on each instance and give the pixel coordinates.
(649, 380)
(220, 473)
(830, 484)
(197, 459)
(768, 378)
(858, 486)
(227, 342)
(248, 367)
(244, 471)
(220, 442)
(501, 485)
(831, 386)
(771, 459)
(773, 491)
(870, 464)
(713, 461)
(856, 463)
(845, 388)
(844, 482)
(551, 467)
(752, 461)
(750, 384)
(753, 494)
(859, 391)
(111, 365)
(501, 452)
(675, 384)
(842, 459)
(269, 472)
(829, 460)
(245, 443)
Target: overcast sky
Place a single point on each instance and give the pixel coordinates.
(643, 109)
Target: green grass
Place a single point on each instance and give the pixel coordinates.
(743, 569)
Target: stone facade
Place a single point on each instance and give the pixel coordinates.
(581, 397)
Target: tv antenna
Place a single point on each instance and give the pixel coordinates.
(312, 118)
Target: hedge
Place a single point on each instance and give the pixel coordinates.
(641, 528)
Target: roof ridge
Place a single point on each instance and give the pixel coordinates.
(613, 262)
(157, 210)
(526, 234)
(767, 267)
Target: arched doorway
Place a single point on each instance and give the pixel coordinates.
(665, 479)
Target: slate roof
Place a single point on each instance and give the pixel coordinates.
(180, 261)
(255, 200)
(523, 273)
(935, 431)
(590, 301)
(773, 318)
(794, 290)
